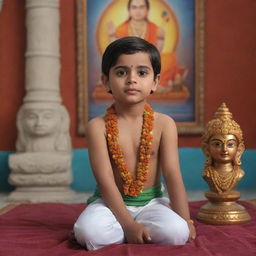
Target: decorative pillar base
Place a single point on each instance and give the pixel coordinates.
(40, 177)
(41, 194)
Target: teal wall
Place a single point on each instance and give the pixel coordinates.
(4, 172)
(191, 160)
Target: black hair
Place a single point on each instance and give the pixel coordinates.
(146, 2)
(130, 45)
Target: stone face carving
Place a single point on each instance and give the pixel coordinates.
(43, 129)
(42, 164)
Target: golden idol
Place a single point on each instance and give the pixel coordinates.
(223, 146)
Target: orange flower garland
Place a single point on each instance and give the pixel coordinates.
(131, 187)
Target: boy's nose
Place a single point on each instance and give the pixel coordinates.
(131, 78)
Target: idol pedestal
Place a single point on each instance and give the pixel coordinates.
(223, 209)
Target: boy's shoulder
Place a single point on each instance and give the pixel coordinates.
(96, 124)
(97, 119)
(163, 119)
(165, 124)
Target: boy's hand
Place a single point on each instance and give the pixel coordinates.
(192, 231)
(136, 234)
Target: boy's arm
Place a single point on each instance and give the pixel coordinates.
(171, 170)
(103, 172)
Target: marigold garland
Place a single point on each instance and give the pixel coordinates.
(131, 187)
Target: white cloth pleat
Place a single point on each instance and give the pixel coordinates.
(97, 226)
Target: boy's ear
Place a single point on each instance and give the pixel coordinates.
(156, 82)
(105, 82)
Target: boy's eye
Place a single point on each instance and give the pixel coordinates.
(142, 73)
(120, 72)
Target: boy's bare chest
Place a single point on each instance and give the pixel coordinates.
(130, 139)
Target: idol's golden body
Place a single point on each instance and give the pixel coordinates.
(223, 146)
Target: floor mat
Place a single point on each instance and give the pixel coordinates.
(45, 229)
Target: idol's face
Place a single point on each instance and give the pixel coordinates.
(223, 148)
(138, 10)
(41, 122)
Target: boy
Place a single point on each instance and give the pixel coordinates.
(129, 148)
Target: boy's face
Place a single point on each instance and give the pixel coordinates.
(131, 79)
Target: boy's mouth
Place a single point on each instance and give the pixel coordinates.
(131, 91)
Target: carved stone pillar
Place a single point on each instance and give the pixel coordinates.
(41, 167)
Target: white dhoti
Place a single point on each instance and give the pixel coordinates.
(97, 227)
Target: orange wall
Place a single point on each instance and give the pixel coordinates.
(230, 75)
(12, 68)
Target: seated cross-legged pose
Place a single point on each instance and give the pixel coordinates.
(129, 148)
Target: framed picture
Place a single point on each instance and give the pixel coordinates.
(176, 27)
